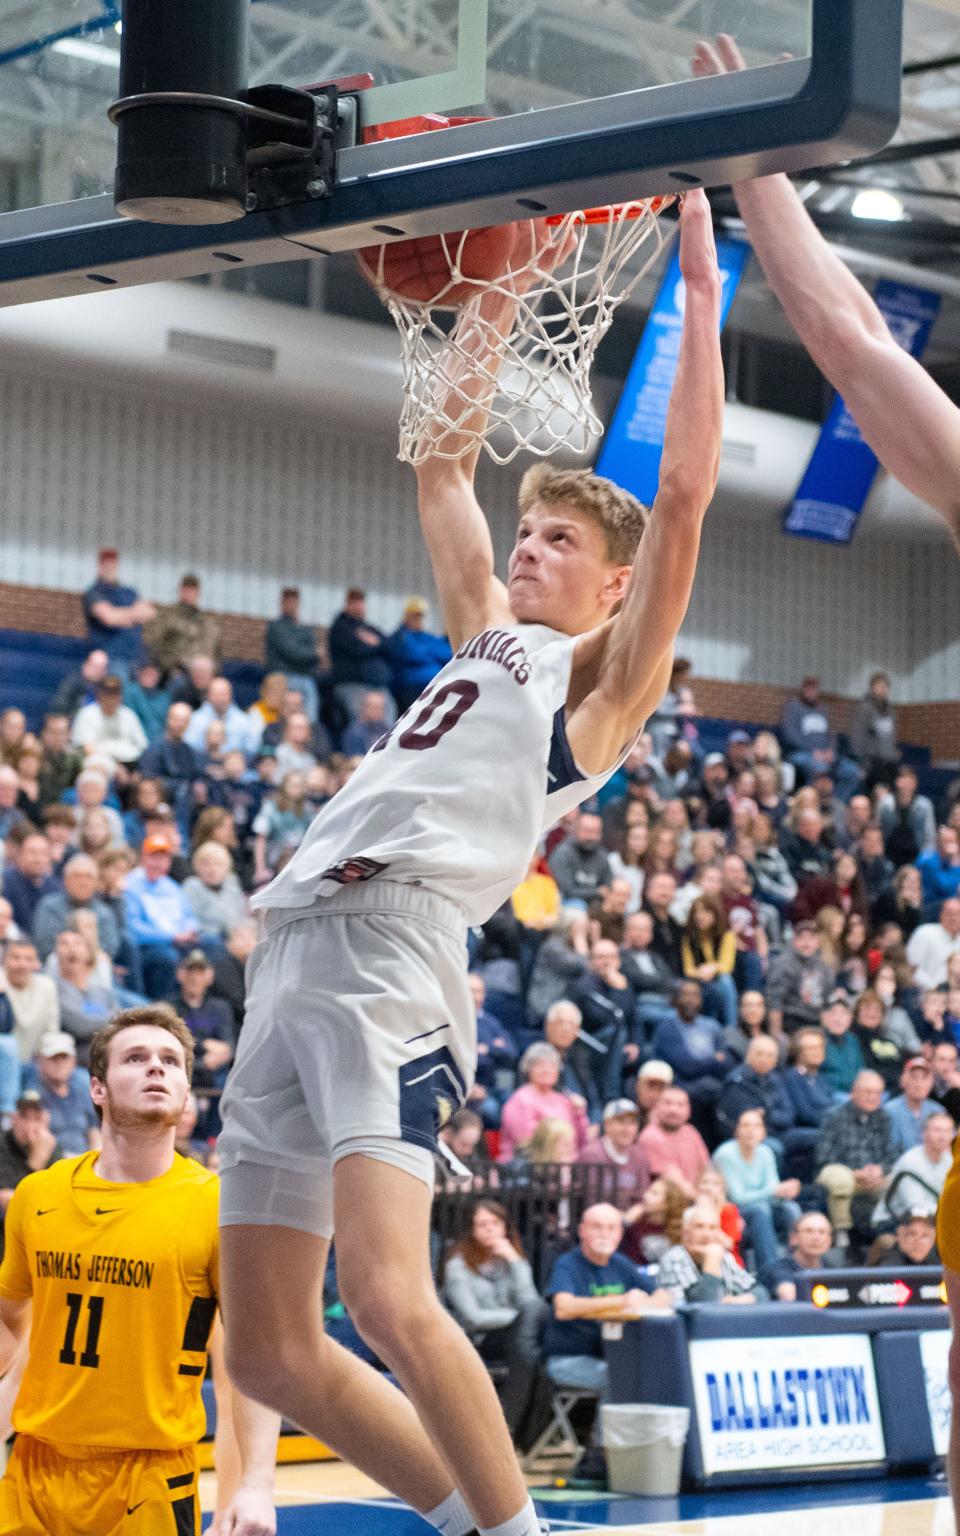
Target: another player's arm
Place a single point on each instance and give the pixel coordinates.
(907, 419)
(633, 653)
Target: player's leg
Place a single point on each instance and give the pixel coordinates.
(277, 1352)
(952, 1279)
(382, 1215)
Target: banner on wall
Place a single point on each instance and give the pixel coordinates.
(786, 1402)
(633, 446)
(840, 475)
(934, 1352)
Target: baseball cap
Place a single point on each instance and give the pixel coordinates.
(30, 1099)
(415, 605)
(656, 1071)
(917, 1214)
(354, 592)
(806, 926)
(838, 995)
(712, 758)
(917, 1061)
(194, 960)
(743, 737)
(620, 1107)
(290, 592)
(157, 842)
(108, 553)
(56, 1042)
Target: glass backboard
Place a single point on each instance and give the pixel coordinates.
(583, 101)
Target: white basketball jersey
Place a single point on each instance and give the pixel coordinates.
(458, 794)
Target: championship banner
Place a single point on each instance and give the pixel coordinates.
(786, 1402)
(633, 446)
(841, 473)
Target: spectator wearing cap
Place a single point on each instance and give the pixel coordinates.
(56, 911)
(873, 733)
(149, 699)
(369, 725)
(739, 752)
(115, 615)
(209, 1020)
(28, 879)
(80, 687)
(916, 1242)
(183, 630)
(799, 982)
(86, 1001)
(654, 1076)
(930, 946)
(239, 734)
(618, 1149)
(811, 742)
(906, 816)
(358, 655)
(291, 648)
(913, 1106)
(109, 727)
(717, 793)
(843, 1057)
(415, 655)
(32, 997)
(64, 1089)
(160, 919)
(26, 1147)
(855, 1153)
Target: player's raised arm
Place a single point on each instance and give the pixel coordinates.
(906, 418)
(635, 666)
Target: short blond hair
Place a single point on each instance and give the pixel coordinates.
(620, 516)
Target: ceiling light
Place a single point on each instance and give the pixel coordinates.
(92, 53)
(874, 203)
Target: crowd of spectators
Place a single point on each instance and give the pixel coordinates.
(732, 982)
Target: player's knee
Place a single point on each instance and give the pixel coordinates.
(387, 1311)
(261, 1366)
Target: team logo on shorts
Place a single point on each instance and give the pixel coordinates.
(349, 870)
(429, 1088)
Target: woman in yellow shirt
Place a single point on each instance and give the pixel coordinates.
(709, 952)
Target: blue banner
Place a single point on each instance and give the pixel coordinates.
(841, 473)
(633, 446)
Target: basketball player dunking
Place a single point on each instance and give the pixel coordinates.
(359, 1028)
(913, 429)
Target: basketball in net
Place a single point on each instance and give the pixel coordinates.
(560, 278)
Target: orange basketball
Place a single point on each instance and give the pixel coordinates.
(421, 269)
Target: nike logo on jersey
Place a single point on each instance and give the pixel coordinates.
(47, 1211)
(134, 1507)
(111, 1212)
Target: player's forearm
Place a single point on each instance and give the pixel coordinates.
(257, 1430)
(694, 430)
(821, 296)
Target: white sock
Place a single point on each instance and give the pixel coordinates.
(452, 1517)
(524, 1524)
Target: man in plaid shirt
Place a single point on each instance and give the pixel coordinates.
(699, 1268)
(855, 1153)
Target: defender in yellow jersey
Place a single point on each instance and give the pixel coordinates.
(113, 1260)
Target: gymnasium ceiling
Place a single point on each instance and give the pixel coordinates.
(56, 144)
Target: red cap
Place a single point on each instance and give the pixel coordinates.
(917, 1061)
(107, 553)
(157, 842)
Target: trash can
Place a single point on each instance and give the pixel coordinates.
(643, 1443)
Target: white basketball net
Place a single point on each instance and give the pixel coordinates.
(539, 376)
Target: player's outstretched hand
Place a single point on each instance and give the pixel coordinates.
(698, 248)
(249, 1513)
(720, 58)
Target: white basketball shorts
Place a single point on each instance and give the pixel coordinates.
(359, 1028)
